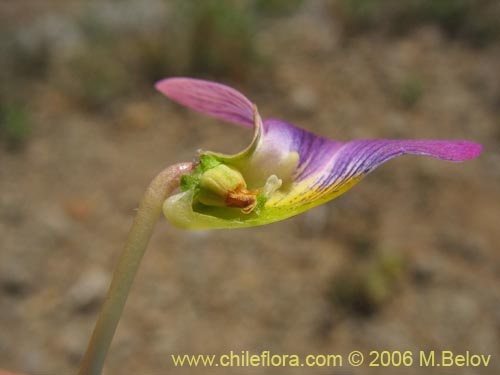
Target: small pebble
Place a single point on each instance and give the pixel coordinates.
(88, 291)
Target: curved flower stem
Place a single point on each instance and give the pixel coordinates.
(138, 238)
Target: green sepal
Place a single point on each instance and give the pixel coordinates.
(192, 180)
(208, 161)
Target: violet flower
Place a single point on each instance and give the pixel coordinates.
(284, 171)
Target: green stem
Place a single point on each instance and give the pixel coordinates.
(138, 238)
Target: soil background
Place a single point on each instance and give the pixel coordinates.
(409, 259)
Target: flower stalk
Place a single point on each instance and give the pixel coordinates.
(138, 238)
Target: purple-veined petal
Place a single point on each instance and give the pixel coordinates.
(326, 168)
(213, 99)
(352, 160)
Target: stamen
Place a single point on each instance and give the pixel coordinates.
(242, 198)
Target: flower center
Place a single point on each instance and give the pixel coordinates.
(225, 186)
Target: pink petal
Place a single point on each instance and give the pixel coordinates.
(213, 99)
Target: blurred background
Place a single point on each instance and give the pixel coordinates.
(407, 260)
